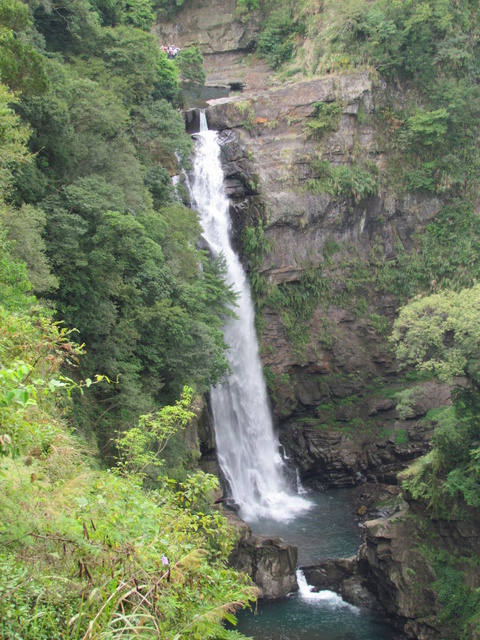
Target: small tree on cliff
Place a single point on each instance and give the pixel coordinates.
(190, 64)
(441, 334)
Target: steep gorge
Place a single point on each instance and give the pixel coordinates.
(329, 271)
(322, 316)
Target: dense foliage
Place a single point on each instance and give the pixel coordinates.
(93, 213)
(91, 218)
(440, 334)
(86, 553)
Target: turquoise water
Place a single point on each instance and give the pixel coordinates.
(329, 529)
(294, 618)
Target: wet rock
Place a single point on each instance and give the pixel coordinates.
(205, 430)
(341, 575)
(345, 413)
(330, 573)
(269, 561)
(192, 120)
(355, 592)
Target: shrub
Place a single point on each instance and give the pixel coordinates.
(357, 182)
(276, 42)
(326, 118)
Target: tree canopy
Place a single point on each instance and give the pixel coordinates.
(440, 334)
(91, 208)
(89, 221)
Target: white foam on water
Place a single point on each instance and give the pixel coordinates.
(327, 598)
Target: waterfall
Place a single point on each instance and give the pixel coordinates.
(247, 448)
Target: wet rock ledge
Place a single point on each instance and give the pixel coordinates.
(268, 560)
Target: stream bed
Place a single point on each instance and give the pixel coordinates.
(328, 529)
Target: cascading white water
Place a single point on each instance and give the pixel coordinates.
(246, 444)
(326, 598)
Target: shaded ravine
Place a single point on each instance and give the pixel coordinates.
(247, 447)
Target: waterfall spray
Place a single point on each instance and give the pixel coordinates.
(247, 447)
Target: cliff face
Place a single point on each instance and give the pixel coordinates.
(421, 569)
(330, 371)
(325, 268)
(211, 24)
(332, 376)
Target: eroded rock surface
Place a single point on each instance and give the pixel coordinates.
(268, 560)
(213, 25)
(333, 396)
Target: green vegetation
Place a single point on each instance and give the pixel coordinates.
(432, 46)
(440, 334)
(190, 65)
(92, 212)
(279, 29)
(460, 603)
(87, 553)
(255, 244)
(326, 118)
(356, 182)
(297, 303)
(89, 221)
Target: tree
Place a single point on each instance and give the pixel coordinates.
(441, 334)
(13, 139)
(136, 12)
(134, 56)
(25, 227)
(190, 64)
(22, 68)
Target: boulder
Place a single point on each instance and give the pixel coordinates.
(268, 560)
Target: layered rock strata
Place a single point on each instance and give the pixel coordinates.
(268, 560)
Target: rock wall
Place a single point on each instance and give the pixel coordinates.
(213, 25)
(332, 398)
(268, 560)
(395, 564)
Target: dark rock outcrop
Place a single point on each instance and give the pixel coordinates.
(192, 120)
(341, 575)
(336, 458)
(268, 560)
